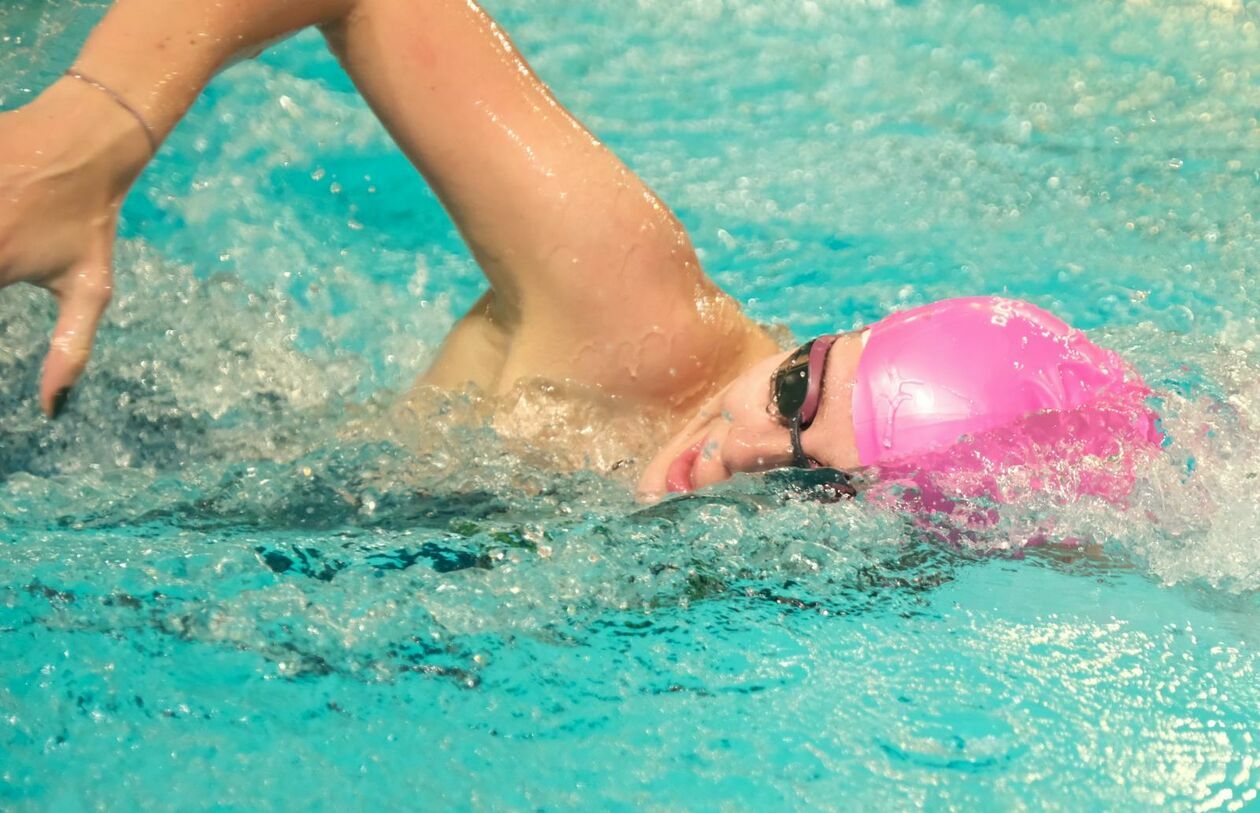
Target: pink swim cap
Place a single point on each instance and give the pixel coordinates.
(1016, 384)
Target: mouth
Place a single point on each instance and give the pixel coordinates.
(678, 476)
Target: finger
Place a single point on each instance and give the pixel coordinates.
(80, 307)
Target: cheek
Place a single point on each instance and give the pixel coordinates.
(746, 404)
(755, 446)
(745, 416)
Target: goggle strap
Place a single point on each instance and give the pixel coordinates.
(819, 348)
(799, 458)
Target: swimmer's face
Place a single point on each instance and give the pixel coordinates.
(738, 431)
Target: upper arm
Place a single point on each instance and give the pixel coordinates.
(600, 275)
(556, 221)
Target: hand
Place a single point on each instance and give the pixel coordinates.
(66, 163)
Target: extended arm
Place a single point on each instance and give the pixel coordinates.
(575, 246)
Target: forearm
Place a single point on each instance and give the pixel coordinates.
(160, 54)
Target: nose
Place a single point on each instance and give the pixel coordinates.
(760, 448)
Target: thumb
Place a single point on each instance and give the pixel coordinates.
(82, 297)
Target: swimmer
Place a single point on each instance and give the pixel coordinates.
(593, 281)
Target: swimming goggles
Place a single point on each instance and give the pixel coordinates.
(796, 389)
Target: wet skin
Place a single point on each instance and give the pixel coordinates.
(594, 281)
(737, 430)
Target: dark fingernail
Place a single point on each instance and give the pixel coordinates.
(59, 402)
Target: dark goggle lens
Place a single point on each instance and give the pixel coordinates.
(791, 383)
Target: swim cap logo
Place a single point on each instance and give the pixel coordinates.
(1004, 311)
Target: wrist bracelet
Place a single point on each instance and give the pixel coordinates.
(121, 102)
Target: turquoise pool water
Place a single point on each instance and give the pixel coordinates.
(223, 585)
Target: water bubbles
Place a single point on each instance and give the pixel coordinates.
(378, 568)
